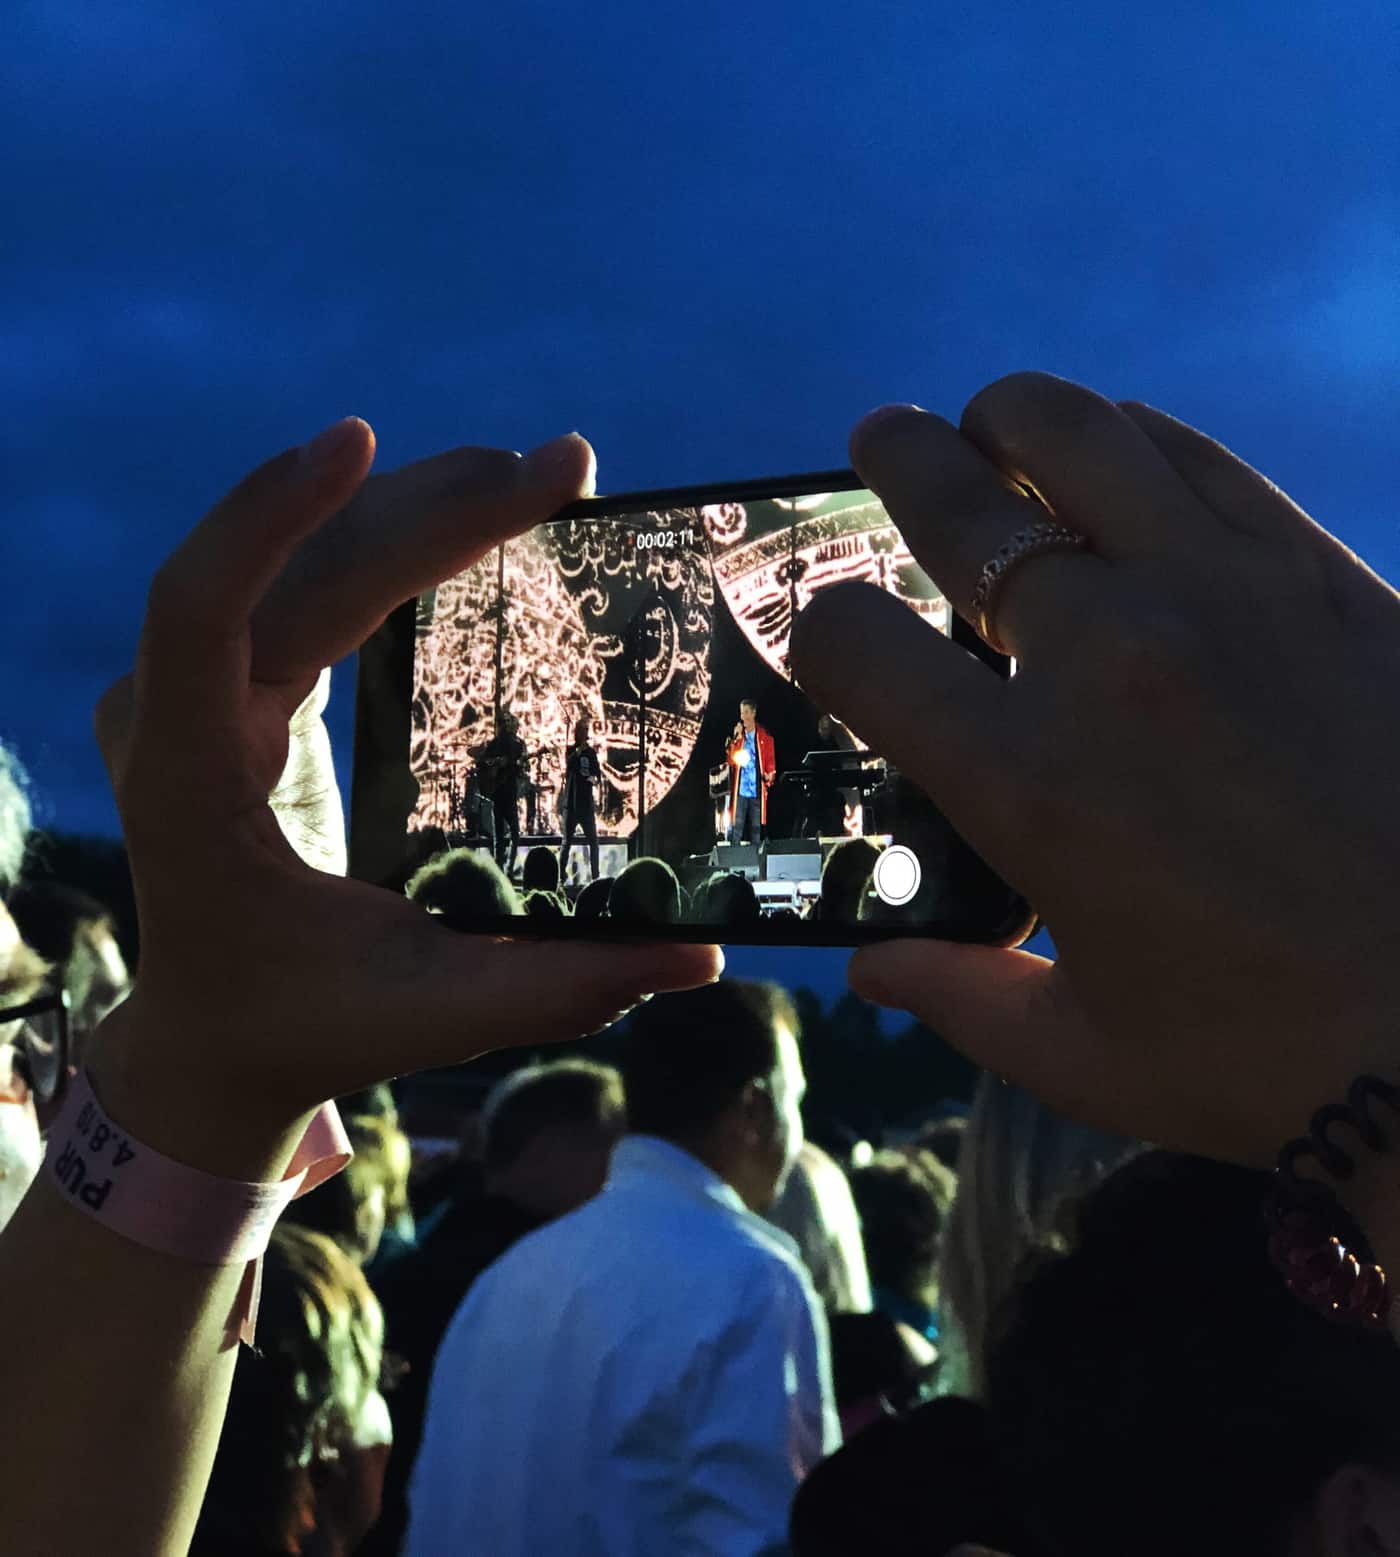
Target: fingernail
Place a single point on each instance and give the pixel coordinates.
(325, 446)
(552, 459)
(885, 413)
(879, 994)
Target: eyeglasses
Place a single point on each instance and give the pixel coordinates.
(43, 1044)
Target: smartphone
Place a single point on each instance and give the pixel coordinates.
(610, 696)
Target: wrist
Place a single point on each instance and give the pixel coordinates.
(1372, 1200)
(151, 1084)
(1335, 1207)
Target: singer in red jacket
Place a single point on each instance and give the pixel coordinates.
(754, 767)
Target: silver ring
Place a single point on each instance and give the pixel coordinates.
(1045, 535)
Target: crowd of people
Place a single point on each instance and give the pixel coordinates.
(729, 1259)
(1133, 1305)
(469, 886)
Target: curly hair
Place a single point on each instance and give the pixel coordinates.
(903, 1198)
(296, 1399)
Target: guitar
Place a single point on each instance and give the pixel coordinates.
(495, 768)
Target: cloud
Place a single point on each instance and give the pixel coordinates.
(709, 236)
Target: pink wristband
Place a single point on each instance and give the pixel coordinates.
(164, 1205)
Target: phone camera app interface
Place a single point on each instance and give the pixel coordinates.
(614, 692)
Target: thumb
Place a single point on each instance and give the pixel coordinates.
(559, 990)
(1010, 1012)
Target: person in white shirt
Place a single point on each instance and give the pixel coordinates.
(650, 1374)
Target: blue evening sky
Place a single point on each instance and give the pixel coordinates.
(709, 237)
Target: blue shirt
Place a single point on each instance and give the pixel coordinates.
(904, 1310)
(648, 1376)
(748, 774)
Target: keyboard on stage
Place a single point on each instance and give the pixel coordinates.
(841, 770)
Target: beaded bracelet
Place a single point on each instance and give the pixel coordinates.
(1323, 1256)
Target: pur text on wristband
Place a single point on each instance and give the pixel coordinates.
(152, 1200)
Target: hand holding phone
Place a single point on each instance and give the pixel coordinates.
(339, 984)
(1192, 778)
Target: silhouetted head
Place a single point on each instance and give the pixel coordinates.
(464, 886)
(846, 879)
(718, 1072)
(1159, 1391)
(646, 892)
(730, 900)
(541, 870)
(592, 902)
(547, 1133)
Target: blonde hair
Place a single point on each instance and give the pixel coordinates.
(23, 976)
(383, 1156)
(344, 1207)
(1021, 1170)
(817, 1210)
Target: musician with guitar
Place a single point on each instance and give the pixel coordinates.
(499, 763)
(754, 767)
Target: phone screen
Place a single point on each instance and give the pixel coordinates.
(614, 690)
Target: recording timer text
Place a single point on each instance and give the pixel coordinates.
(646, 540)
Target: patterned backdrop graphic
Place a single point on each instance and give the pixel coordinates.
(772, 557)
(571, 613)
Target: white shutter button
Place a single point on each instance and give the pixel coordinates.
(897, 875)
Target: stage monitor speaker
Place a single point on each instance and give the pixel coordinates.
(880, 840)
(794, 859)
(695, 869)
(742, 858)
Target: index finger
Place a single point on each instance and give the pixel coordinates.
(955, 509)
(191, 660)
(402, 533)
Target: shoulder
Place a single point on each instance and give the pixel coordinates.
(531, 1264)
(709, 1245)
(764, 1257)
(764, 1298)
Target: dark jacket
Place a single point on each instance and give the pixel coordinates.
(421, 1293)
